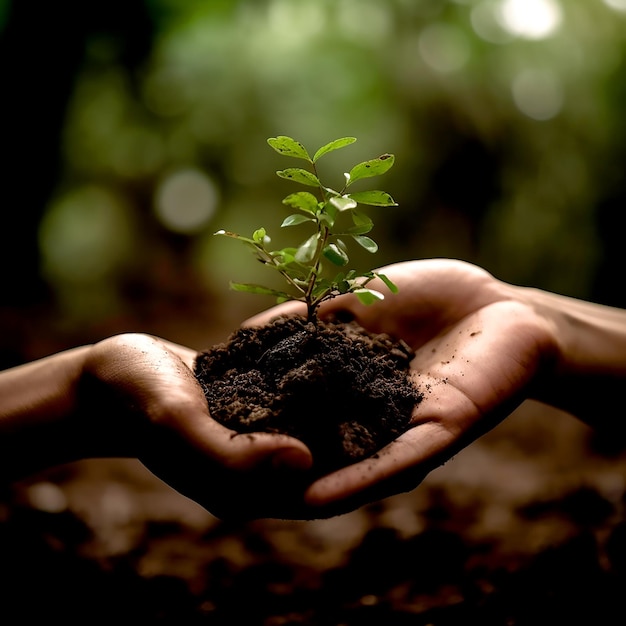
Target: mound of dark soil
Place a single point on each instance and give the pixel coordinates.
(343, 391)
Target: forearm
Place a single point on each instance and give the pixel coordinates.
(588, 376)
(40, 420)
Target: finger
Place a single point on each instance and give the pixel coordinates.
(186, 413)
(472, 378)
(440, 421)
(245, 451)
(151, 375)
(251, 448)
(399, 466)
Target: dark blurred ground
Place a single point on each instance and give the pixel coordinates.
(526, 526)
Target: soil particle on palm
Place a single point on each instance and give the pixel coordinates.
(343, 391)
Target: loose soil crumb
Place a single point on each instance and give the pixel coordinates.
(344, 392)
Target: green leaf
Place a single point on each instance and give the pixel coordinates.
(280, 298)
(390, 284)
(335, 255)
(368, 296)
(259, 289)
(343, 203)
(296, 218)
(360, 229)
(299, 175)
(360, 219)
(331, 191)
(306, 251)
(260, 236)
(340, 284)
(289, 147)
(302, 200)
(328, 215)
(285, 257)
(322, 287)
(373, 167)
(373, 198)
(333, 145)
(369, 244)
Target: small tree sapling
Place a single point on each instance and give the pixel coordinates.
(302, 266)
(345, 392)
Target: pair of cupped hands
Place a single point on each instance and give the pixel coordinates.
(477, 351)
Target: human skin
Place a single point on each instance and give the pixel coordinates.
(482, 347)
(135, 395)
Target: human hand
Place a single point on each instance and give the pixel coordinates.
(172, 434)
(134, 395)
(479, 348)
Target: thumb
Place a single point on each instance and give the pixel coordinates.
(245, 451)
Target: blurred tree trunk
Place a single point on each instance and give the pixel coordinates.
(42, 48)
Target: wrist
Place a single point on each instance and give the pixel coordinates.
(38, 413)
(588, 371)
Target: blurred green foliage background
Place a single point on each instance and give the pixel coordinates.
(132, 130)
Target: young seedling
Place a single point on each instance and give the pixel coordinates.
(326, 211)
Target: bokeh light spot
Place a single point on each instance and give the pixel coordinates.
(618, 5)
(85, 235)
(374, 23)
(531, 19)
(538, 94)
(444, 47)
(487, 24)
(186, 200)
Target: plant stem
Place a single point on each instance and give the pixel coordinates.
(324, 233)
(269, 259)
